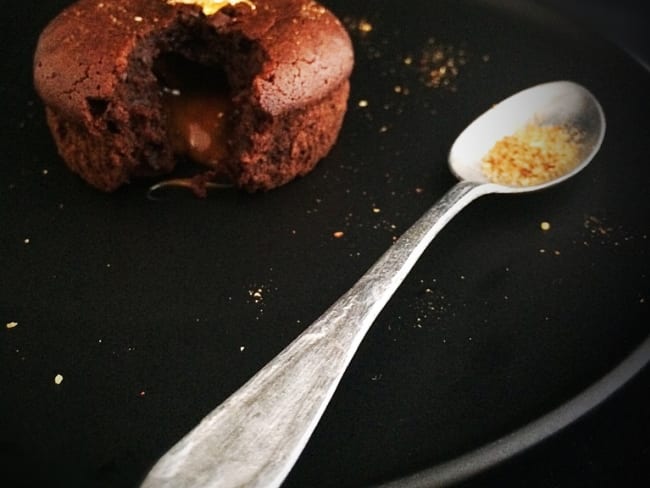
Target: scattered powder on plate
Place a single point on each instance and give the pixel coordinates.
(601, 232)
(439, 64)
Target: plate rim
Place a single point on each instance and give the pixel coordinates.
(496, 452)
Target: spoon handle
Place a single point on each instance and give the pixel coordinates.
(255, 437)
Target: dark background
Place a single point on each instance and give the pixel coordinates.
(609, 446)
(626, 22)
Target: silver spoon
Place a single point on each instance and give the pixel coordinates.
(255, 437)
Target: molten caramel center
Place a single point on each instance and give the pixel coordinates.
(197, 106)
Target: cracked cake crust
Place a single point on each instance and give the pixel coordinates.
(287, 64)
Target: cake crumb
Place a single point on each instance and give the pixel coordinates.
(545, 226)
(12, 325)
(338, 234)
(58, 379)
(363, 103)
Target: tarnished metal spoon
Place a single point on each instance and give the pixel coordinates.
(255, 437)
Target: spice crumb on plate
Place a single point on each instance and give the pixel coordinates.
(364, 26)
(360, 26)
(256, 294)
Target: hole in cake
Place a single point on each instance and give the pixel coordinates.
(112, 127)
(97, 106)
(197, 106)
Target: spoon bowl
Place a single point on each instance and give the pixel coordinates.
(562, 103)
(255, 436)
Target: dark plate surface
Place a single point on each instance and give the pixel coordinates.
(154, 312)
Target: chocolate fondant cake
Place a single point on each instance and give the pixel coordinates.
(255, 90)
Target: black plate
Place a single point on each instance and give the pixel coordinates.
(155, 311)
